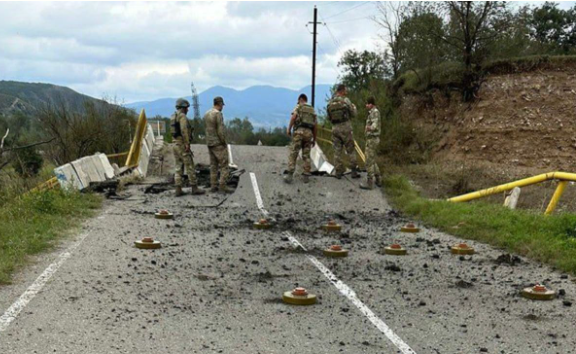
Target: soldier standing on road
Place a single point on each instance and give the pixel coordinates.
(340, 112)
(303, 121)
(372, 130)
(217, 147)
(182, 134)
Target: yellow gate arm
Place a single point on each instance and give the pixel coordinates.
(135, 149)
(563, 177)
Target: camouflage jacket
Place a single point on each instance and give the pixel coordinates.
(351, 108)
(186, 130)
(215, 134)
(373, 122)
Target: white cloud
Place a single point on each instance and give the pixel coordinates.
(141, 51)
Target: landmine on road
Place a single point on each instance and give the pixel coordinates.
(215, 285)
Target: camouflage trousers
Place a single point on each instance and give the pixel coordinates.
(371, 153)
(342, 139)
(184, 160)
(218, 163)
(301, 140)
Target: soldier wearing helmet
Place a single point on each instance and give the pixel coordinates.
(182, 135)
(217, 147)
(303, 122)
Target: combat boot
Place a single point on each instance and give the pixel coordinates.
(355, 173)
(197, 191)
(223, 189)
(379, 181)
(288, 178)
(306, 178)
(213, 189)
(178, 192)
(368, 185)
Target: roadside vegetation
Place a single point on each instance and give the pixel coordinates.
(549, 239)
(34, 141)
(34, 222)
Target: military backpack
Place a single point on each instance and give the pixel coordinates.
(306, 116)
(175, 126)
(338, 110)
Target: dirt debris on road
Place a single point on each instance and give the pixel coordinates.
(215, 286)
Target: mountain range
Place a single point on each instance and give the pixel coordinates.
(265, 106)
(27, 97)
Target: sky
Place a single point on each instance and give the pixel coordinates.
(138, 51)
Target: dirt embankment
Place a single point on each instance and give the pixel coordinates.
(521, 124)
(522, 120)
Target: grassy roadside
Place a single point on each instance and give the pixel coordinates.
(33, 223)
(549, 239)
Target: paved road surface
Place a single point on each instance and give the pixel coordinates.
(215, 286)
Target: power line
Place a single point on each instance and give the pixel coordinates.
(336, 41)
(331, 64)
(350, 20)
(349, 9)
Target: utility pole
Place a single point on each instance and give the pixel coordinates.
(314, 33)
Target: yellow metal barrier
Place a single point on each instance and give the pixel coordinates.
(562, 177)
(356, 146)
(135, 149)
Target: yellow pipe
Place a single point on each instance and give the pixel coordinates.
(324, 140)
(563, 176)
(360, 152)
(556, 197)
(117, 155)
(134, 154)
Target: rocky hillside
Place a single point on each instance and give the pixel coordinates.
(524, 118)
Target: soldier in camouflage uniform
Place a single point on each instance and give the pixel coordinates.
(303, 122)
(182, 134)
(372, 130)
(217, 147)
(340, 111)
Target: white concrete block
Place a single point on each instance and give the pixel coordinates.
(67, 177)
(82, 176)
(144, 159)
(108, 169)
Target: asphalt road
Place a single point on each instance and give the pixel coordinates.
(216, 285)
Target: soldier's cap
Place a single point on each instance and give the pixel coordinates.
(218, 100)
(371, 100)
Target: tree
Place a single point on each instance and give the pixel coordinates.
(419, 49)
(360, 68)
(471, 27)
(553, 27)
(391, 17)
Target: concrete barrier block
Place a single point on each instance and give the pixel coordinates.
(144, 159)
(90, 168)
(67, 177)
(108, 169)
(82, 175)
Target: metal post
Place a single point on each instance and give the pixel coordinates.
(314, 55)
(556, 197)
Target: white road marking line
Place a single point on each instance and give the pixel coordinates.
(343, 288)
(14, 310)
(259, 201)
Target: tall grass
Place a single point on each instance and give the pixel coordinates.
(32, 223)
